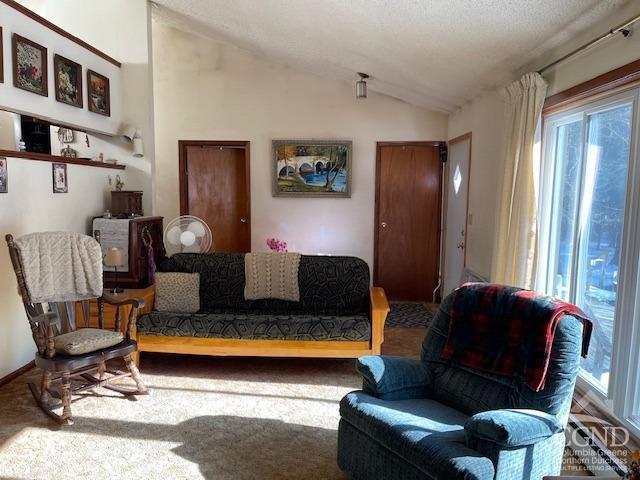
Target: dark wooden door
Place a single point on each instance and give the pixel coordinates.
(214, 185)
(407, 230)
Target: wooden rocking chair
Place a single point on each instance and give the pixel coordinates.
(49, 320)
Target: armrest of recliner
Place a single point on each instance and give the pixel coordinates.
(393, 378)
(512, 428)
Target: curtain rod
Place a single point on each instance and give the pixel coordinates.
(622, 28)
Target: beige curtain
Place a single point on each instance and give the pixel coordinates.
(514, 260)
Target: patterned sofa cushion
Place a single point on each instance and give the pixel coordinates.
(333, 286)
(256, 326)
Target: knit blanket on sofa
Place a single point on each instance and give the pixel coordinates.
(61, 266)
(272, 275)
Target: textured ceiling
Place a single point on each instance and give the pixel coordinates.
(432, 53)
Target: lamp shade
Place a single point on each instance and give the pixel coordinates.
(138, 147)
(127, 131)
(114, 257)
(361, 89)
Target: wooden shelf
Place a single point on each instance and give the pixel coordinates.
(43, 157)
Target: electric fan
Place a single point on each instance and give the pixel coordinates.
(187, 234)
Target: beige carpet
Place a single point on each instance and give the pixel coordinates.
(213, 418)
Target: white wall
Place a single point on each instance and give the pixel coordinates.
(119, 28)
(208, 90)
(7, 131)
(20, 101)
(611, 54)
(30, 206)
(484, 117)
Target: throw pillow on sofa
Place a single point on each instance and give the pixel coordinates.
(177, 292)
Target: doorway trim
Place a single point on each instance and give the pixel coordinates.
(183, 174)
(445, 197)
(376, 215)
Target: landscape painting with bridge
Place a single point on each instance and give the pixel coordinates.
(312, 168)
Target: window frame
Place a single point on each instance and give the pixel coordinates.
(622, 398)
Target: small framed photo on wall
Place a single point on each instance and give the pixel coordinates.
(99, 94)
(68, 81)
(29, 66)
(60, 181)
(4, 178)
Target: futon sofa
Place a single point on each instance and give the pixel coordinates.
(339, 315)
(433, 419)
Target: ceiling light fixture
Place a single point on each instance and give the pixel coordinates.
(361, 86)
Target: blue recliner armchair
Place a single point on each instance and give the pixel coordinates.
(433, 419)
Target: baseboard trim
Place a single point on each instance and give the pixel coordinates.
(15, 374)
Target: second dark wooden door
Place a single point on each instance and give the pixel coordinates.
(407, 235)
(214, 185)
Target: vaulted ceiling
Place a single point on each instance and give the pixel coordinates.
(432, 53)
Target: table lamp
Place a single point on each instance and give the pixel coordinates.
(115, 258)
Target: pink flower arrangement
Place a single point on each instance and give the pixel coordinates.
(276, 245)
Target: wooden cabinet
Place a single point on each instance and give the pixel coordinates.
(126, 201)
(137, 274)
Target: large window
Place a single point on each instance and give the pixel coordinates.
(589, 233)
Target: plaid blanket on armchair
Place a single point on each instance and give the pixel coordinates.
(507, 330)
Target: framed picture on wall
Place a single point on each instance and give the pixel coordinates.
(98, 96)
(1, 58)
(68, 81)
(60, 181)
(311, 168)
(29, 65)
(4, 176)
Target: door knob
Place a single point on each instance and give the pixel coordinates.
(243, 220)
(383, 224)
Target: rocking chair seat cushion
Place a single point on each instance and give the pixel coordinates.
(85, 340)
